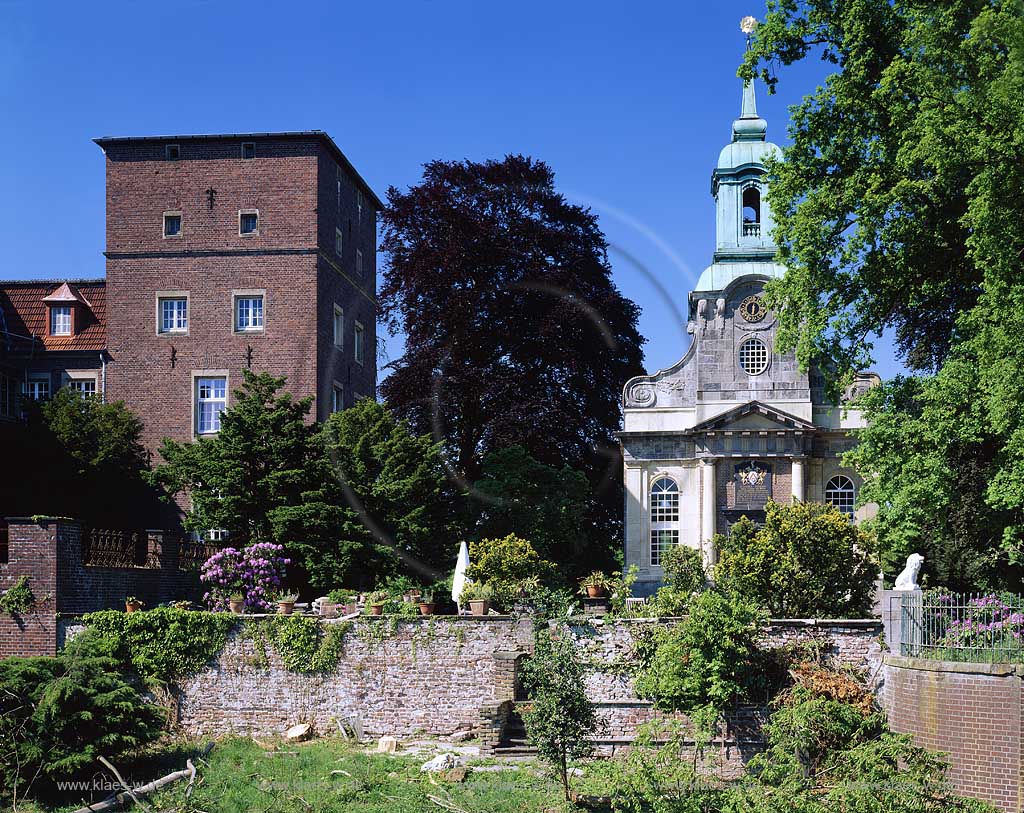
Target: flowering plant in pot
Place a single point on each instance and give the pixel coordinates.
(286, 602)
(375, 602)
(595, 585)
(132, 604)
(478, 595)
(427, 605)
(236, 603)
(254, 572)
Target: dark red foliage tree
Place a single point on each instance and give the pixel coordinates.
(515, 332)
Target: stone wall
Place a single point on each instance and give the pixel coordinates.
(423, 677)
(972, 712)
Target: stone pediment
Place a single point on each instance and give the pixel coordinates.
(754, 416)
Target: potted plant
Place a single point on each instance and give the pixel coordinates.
(347, 601)
(595, 585)
(236, 603)
(412, 595)
(132, 604)
(479, 596)
(375, 602)
(286, 603)
(427, 605)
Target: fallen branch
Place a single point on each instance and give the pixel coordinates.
(118, 799)
(446, 805)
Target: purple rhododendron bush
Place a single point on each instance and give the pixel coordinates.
(255, 573)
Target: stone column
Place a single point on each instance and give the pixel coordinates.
(799, 490)
(708, 506)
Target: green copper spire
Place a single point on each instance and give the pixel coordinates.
(749, 126)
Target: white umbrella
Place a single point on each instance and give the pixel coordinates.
(459, 579)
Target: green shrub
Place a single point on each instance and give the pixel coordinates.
(702, 664)
(685, 577)
(163, 644)
(561, 718)
(509, 565)
(57, 715)
(807, 561)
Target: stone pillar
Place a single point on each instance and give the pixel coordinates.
(709, 506)
(799, 488)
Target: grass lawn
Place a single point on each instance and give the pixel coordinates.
(331, 776)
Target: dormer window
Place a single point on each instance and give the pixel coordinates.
(752, 212)
(60, 320)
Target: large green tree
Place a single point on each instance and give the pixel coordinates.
(538, 502)
(515, 333)
(896, 207)
(77, 456)
(262, 477)
(394, 501)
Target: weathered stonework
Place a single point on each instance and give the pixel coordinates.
(425, 677)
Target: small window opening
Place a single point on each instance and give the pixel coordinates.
(172, 152)
(248, 150)
(751, 212)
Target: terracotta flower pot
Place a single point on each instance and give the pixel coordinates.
(285, 607)
(132, 606)
(236, 606)
(427, 608)
(595, 591)
(376, 609)
(479, 607)
(348, 609)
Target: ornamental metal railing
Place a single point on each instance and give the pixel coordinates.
(114, 547)
(192, 554)
(966, 627)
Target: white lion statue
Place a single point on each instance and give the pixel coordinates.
(907, 580)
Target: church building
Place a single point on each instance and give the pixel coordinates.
(734, 423)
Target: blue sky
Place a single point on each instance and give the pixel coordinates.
(630, 104)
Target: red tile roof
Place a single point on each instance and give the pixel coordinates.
(24, 313)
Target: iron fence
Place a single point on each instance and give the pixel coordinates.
(114, 547)
(968, 627)
(192, 554)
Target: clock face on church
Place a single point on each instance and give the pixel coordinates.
(752, 309)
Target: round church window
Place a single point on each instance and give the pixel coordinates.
(752, 309)
(753, 357)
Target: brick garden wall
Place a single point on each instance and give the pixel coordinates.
(49, 552)
(32, 552)
(972, 712)
(433, 678)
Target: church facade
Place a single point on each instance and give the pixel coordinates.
(733, 424)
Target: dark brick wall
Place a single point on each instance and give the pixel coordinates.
(49, 551)
(971, 712)
(32, 552)
(293, 184)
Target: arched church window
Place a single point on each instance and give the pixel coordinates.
(751, 212)
(840, 492)
(664, 507)
(753, 357)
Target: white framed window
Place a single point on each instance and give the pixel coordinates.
(337, 397)
(172, 313)
(211, 535)
(753, 356)
(664, 516)
(359, 207)
(172, 224)
(248, 312)
(662, 539)
(357, 342)
(359, 262)
(60, 320)
(37, 389)
(211, 401)
(339, 327)
(249, 222)
(172, 152)
(840, 492)
(339, 241)
(83, 386)
(248, 150)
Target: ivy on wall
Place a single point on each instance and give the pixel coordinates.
(18, 598)
(303, 644)
(163, 644)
